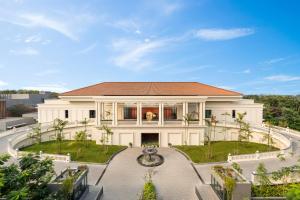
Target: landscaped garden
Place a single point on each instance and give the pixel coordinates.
(220, 150)
(90, 152)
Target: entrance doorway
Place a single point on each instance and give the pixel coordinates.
(150, 139)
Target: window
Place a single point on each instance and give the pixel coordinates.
(233, 114)
(129, 113)
(207, 113)
(170, 113)
(92, 114)
(66, 114)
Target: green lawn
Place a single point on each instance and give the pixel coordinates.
(92, 153)
(198, 154)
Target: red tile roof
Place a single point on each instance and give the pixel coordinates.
(150, 89)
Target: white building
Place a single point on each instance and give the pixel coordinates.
(141, 112)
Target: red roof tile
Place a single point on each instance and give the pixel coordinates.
(150, 89)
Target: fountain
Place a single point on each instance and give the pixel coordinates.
(150, 158)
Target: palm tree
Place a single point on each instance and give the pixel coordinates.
(84, 133)
(209, 123)
(214, 122)
(58, 126)
(188, 118)
(240, 121)
(36, 133)
(247, 131)
(105, 136)
(225, 114)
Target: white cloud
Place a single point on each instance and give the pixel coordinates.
(48, 87)
(165, 7)
(283, 78)
(61, 26)
(134, 54)
(2, 83)
(169, 8)
(273, 61)
(246, 71)
(33, 39)
(127, 25)
(42, 21)
(47, 72)
(223, 34)
(88, 49)
(29, 51)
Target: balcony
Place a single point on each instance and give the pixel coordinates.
(148, 114)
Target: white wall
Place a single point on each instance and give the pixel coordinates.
(254, 111)
(52, 110)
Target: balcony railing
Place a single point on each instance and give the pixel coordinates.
(127, 122)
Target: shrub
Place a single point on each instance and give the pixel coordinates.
(149, 192)
(294, 192)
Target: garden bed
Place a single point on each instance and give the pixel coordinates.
(273, 190)
(92, 153)
(198, 154)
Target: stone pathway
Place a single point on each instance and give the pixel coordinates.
(124, 178)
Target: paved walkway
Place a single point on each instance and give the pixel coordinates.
(124, 179)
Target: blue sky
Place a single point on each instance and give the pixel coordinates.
(248, 46)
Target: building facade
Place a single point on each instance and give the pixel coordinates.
(30, 100)
(163, 113)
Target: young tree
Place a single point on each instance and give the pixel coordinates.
(225, 114)
(209, 122)
(59, 126)
(105, 136)
(188, 118)
(36, 133)
(81, 136)
(268, 137)
(214, 122)
(261, 173)
(244, 132)
(283, 174)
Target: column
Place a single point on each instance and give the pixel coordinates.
(116, 113)
(184, 112)
(138, 107)
(162, 114)
(98, 113)
(159, 114)
(200, 111)
(140, 114)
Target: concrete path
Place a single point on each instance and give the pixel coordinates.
(124, 179)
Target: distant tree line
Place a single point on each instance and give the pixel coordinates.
(280, 110)
(21, 91)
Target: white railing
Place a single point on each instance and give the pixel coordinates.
(56, 157)
(293, 177)
(23, 140)
(257, 156)
(275, 134)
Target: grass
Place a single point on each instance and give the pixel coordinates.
(198, 154)
(92, 153)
